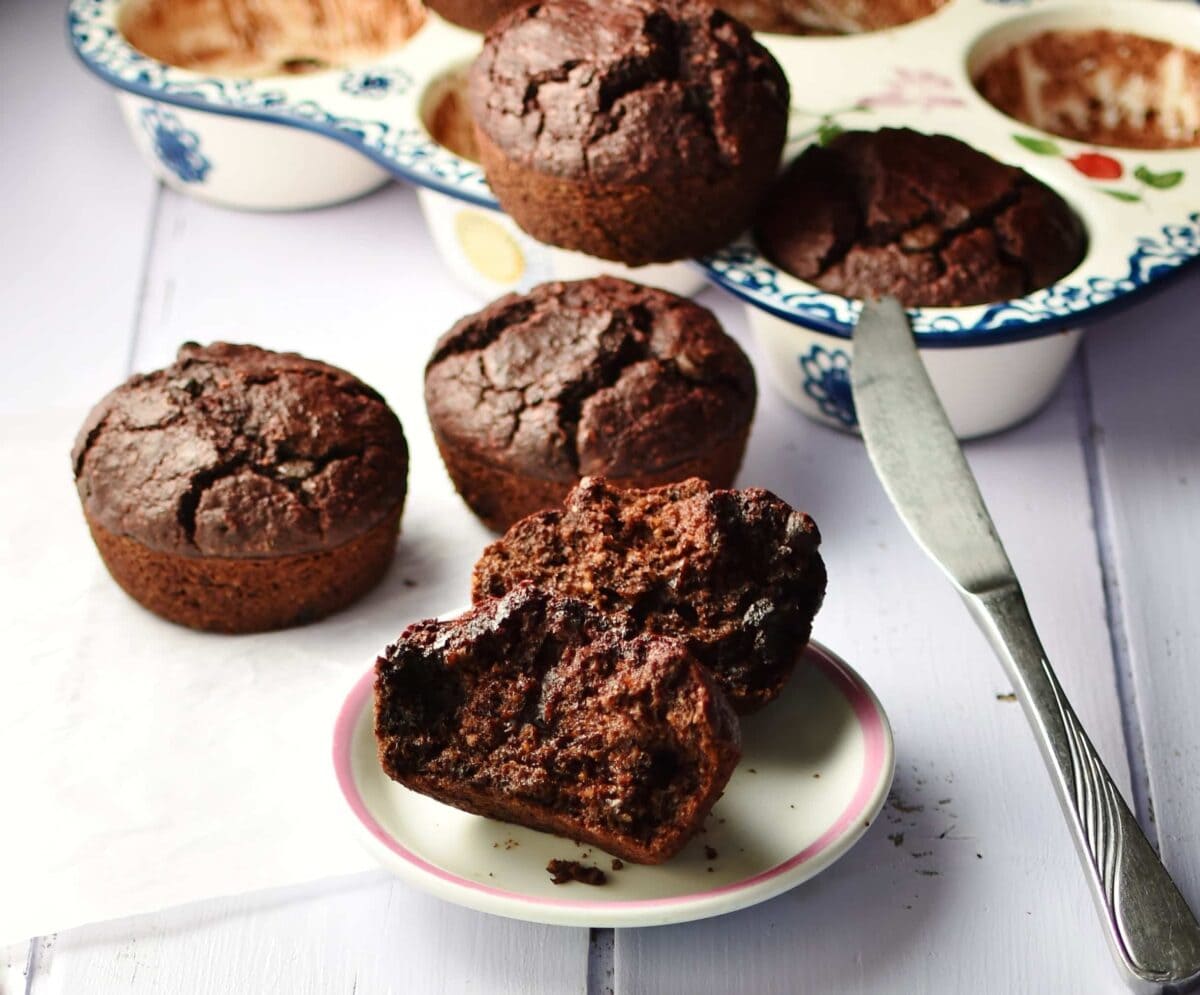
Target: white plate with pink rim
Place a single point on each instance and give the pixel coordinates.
(816, 768)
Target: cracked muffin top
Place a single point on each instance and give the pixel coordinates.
(634, 91)
(593, 376)
(236, 451)
(925, 218)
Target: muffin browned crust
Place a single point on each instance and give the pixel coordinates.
(736, 574)
(475, 15)
(925, 218)
(240, 489)
(640, 131)
(542, 711)
(598, 376)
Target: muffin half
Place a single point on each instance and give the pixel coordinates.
(542, 711)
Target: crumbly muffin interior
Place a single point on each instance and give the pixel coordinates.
(736, 573)
(542, 711)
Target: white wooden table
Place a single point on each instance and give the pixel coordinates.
(966, 883)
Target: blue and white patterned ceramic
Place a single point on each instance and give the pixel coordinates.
(292, 142)
(994, 365)
(296, 141)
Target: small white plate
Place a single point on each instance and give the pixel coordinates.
(815, 770)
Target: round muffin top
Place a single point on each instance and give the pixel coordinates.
(235, 451)
(925, 218)
(595, 376)
(620, 91)
(475, 15)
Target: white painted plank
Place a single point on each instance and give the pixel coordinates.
(354, 285)
(14, 959)
(75, 207)
(367, 934)
(983, 892)
(75, 210)
(1145, 375)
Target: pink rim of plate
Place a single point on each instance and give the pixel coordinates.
(862, 807)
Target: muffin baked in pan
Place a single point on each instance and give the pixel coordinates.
(997, 362)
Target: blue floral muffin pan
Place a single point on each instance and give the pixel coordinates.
(240, 140)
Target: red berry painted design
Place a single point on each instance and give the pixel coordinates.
(1097, 166)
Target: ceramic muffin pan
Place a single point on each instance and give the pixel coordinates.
(993, 365)
(291, 131)
(267, 137)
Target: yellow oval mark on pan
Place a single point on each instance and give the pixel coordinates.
(488, 247)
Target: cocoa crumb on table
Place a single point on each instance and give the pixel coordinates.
(618, 864)
(565, 871)
(710, 853)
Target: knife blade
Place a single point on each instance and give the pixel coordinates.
(1152, 933)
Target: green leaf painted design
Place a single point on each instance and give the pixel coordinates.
(1129, 198)
(1040, 146)
(1160, 181)
(828, 131)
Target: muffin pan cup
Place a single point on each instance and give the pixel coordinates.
(293, 142)
(993, 365)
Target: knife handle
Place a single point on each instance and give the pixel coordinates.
(1153, 934)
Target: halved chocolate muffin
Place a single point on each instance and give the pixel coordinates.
(641, 131)
(599, 376)
(240, 489)
(542, 711)
(734, 573)
(925, 218)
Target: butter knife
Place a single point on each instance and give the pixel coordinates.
(1152, 933)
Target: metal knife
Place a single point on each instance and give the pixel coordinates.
(1153, 934)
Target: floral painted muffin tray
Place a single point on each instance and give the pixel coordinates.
(1141, 208)
(264, 141)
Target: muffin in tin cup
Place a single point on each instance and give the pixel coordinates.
(483, 247)
(994, 362)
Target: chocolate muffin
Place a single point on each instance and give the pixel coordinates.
(238, 489)
(640, 131)
(925, 218)
(804, 17)
(736, 574)
(542, 711)
(475, 15)
(598, 376)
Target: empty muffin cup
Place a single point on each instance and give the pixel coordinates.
(239, 54)
(1105, 83)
